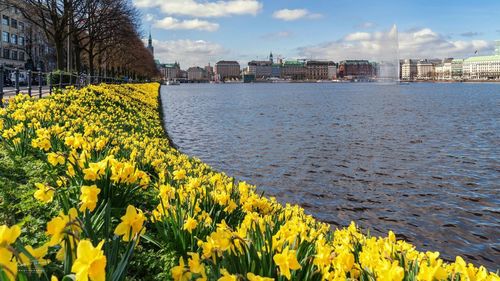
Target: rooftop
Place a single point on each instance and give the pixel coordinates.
(294, 62)
(483, 59)
(227, 62)
(354, 62)
(261, 63)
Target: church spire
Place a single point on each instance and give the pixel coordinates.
(150, 44)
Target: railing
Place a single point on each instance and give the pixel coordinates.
(38, 83)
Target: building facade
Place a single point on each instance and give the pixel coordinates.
(443, 70)
(13, 41)
(261, 69)
(276, 70)
(356, 69)
(425, 70)
(294, 70)
(23, 45)
(319, 70)
(170, 71)
(482, 68)
(209, 71)
(227, 70)
(196, 74)
(332, 71)
(409, 70)
(457, 69)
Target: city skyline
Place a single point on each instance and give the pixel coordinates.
(198, 32)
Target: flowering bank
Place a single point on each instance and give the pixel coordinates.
(118, 180)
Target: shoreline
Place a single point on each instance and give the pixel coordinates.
(449, 258)
(163, 123)
(223, 208)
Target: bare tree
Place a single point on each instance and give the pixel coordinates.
(52, 16)
(99, 34)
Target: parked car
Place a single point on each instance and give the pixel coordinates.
(23, 77)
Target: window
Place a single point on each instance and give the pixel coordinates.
(5, 20)
(6, 53)
(13, 23)
(5, 37)
(14, 55)
(13, 39)
(21, 56)
(21, 41)
(21, 26)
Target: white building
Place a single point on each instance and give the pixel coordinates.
(409, 70)
(443, 71)
(425, 70)
(482, 68)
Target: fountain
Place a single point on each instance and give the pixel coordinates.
(388, 56)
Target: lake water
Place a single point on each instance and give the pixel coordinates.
(420, 159)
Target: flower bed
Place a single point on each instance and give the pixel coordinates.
(117, 184)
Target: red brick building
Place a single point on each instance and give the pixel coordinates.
(356, 69)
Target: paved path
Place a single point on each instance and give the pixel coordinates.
(9, 92)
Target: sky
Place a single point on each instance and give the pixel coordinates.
(196, 32)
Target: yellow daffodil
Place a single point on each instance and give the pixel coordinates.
(390, 271)
(88, 197)
(90, 263)
(44, 193)
(8, 265)
(286, 261)
(226, 276)
(253, 277)
(190, 224)
(56, 227)
(180, 272)
(194, 263)
(55, 159)
(179, 174)
(9, 235)
(37, 254)
(131, 223)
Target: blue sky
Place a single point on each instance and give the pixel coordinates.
(196, 32)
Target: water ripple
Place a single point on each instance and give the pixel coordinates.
(422, 160)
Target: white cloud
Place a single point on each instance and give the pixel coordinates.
(176, 24)
(188, 52)
(207, 9)
(358, 36)
(294, 14)
(420, 43)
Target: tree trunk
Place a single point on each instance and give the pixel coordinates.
(59, 44)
